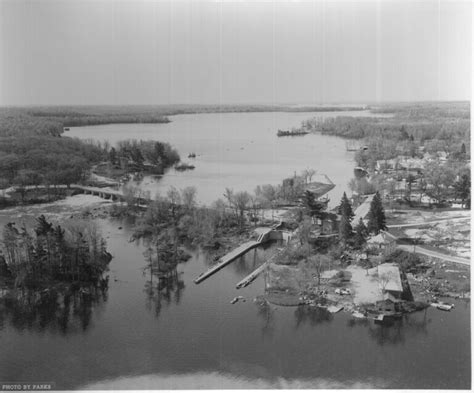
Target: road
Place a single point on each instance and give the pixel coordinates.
(424, 223)
(362, 210)
(430, 253)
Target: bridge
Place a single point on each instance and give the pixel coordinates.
(104, 193)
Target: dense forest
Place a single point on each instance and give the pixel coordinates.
(16, 121)
(34, 160)
(435, 126)
(68, 252)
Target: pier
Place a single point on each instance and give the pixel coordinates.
(264, 235)
(252, 276)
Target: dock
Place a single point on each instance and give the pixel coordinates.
(252, 276)
(226, 259)
(231, 256)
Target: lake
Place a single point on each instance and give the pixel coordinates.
(190, 336)
(183, 335)
(238, 150)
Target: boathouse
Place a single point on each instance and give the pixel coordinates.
(390, 282)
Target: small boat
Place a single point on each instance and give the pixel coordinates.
(192, 155)
(359, 315)
(236, 299)
(183, 167)
(443, 306)
(360, 172)
(66, 128)
(291, 133)
(335, 309)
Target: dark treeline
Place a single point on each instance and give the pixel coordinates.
(138, 155)
(73, 252)
(441, 126)
(49, 161)
(38, 160)
(52, 120)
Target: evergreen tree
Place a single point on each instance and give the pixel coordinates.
(345, 229)
(313, 207)
(376, 215)
(361, 234)
(462, 188)
(113, 156)
(404, 134)
(345, 208)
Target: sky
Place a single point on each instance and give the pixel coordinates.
(91, 52)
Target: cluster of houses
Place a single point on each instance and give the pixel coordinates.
(413, 165)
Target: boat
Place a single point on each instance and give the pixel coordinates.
(443, 306)
(291, 133)
(236, 299)
(183, 166)
(334, 309)
(66, 128)
(192, 155)
(359, 315)
(360, 172)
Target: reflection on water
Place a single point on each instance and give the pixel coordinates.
(312, 315)
(394, 332)
(163, 290)
(218, 344)
(65, 311)
(267, 314)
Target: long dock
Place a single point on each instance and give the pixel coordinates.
(234, 254)
(226, 259)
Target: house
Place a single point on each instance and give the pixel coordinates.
(390, 282)
(388, 306)
(380, 241)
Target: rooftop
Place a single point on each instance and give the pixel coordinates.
(389, 277)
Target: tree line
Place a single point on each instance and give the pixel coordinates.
(72, 252)
(136, 153)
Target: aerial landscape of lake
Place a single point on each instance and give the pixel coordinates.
(238, 150)
(190, 336)
(240, 195)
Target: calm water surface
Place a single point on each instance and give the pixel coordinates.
(237, 150)
(190, 336)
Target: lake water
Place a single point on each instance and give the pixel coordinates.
(238, 150)
(190, 336)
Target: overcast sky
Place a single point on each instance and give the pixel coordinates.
(155, 52)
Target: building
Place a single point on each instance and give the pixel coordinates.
(381, 241)
(390, 282)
